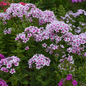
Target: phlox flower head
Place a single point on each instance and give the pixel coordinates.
(22, 36)
(3, 83)
(20, 9)
(69, 77)
(7, 64)
(7, 31)
(74, 82)
(39, 60)
(60, 83)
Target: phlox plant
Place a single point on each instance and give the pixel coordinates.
(46, 48)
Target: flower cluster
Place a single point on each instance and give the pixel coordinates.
(7, 31)
(41, 34)
(70, 79)
(76, 41)
(3, 83)
(39, 60)
(30, 11)
(7, 63)
(56, 31)
(30, 32)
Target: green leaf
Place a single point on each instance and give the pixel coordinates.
(24, 82)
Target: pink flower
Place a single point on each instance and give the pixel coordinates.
(44, 45)
(9, 65)
(16, 64)
(69, 77)
(6, 70)
(60, 83)
(26, 48)
(12, 71)
(74, 82)
(4, 4)
(2, 69)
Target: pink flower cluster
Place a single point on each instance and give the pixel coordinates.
(52, 32)
(7, 31)
(7, 63)
(39, 60)
(22, 37)
(68, 78)
(51, 29)
(30, 11)
(30, 32)
(41, 34)
(4, 16)
(76, 41)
